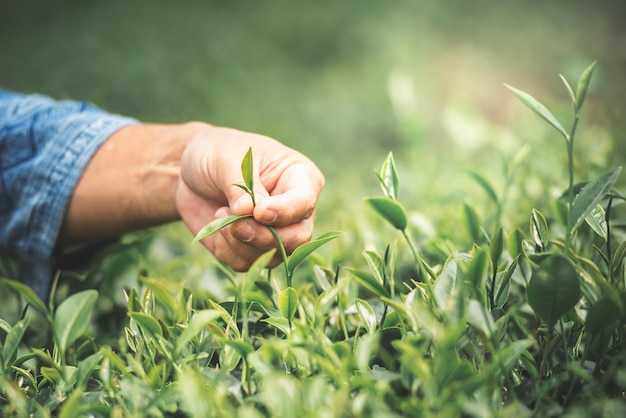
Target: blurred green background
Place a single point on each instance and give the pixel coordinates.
(346, 82)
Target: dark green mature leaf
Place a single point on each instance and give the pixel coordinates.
(29, 295)
(216, 225)
(288, 302)
(305, 249)
(388, 177)
(537, 107)
(72, 317)
(369, 282)
(583, 85)
(601, 315)
(12, 342)
(591, 195)
(390, 210)
(484, 183)
(554, 288)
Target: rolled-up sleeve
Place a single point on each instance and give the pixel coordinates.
(45, 146)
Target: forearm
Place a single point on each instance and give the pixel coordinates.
(129, 184)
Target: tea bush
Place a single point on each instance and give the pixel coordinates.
(494, 320)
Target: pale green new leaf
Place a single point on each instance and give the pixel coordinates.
(597, 221)
(247, 170)
(369, 282)
(148, 323)
(583, 85)
(485, 184)
(196, 325)
(288, 302)
(366, 314)
(537, 107)
(388, 177)
(591, 194)
(572, 96)
(300, 253)
(539, 228)
(72, 317)
(216, 225)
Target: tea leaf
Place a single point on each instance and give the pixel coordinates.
(376, 265)
(503, 283)
(369, 282)
(216, 225)
(242, 347)
(254, 272)
(497, 246)
(29, 296)
(196, 325)
(554, 288)
(304, 250)
(537, 107)
(247, 171)
(388, 177)
(148, 323)
(572, 96)
(485, 184)
(288, 302)
(539, 229)
(366, 314)
(12, 341)
(601, 315)
(583, 85)
(471, 222)
(72, 317)
(597, 221)
(390, 210)
(514, 243)
(591, 194)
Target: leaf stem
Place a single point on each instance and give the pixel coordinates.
(283, 253)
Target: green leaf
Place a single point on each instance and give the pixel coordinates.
(569, 89)
(12, 341)
(366, 314)
(376, 265)
(485, 184)
(503, 283)
(554, 288)
(254, 272)
(601, 315)
(597, 221)
(216, 225)
(390, 210)
(196, 325)
(389, 177)
(86, 367)
(471, 222)
(300, 253)
(447, 284)
(161, 294)
(534, 105)
(242, 347)
(148, 323)
(496, 246)
(369, 282)
(539, 229)
(583, 85)
(247, 171)
(288, 302)
(72, 317)
(29, 296)
(591, 194)
(618, 259)
(514, 243)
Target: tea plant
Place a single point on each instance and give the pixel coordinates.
(527, 321)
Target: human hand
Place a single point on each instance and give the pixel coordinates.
(286, 187)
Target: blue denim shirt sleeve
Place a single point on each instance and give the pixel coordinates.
(44, 147)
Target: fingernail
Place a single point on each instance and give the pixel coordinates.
(269, 216)
(244, 232)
